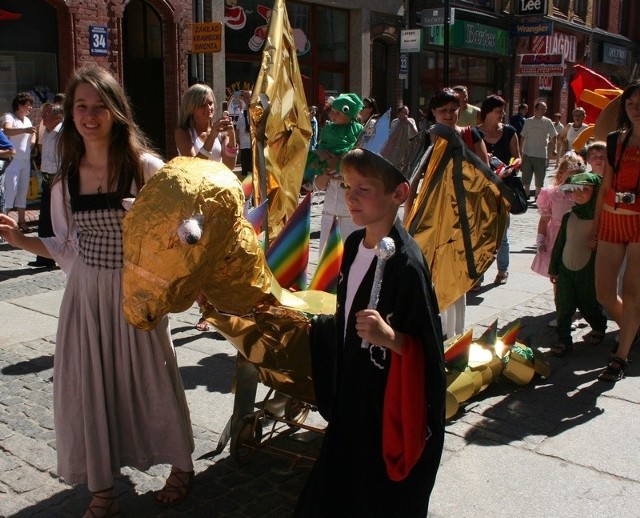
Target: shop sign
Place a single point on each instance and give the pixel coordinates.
(531, 7)
(540, 65)
(557, 43)
(614, 54)
(476, 36)
(206, 37)
(541, 28)
(411, 40)
(545, 83)
(429, 17)
(98, 40)
(404, 67)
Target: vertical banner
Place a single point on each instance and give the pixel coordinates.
(279, 110)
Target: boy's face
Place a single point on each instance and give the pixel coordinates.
(368, 203)
(596, 159)
(582, 196)
(338, 117)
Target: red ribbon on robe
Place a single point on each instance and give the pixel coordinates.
(404, 420)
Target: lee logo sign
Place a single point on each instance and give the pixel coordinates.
(531, 7)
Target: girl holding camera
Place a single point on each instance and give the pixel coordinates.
(616, 231)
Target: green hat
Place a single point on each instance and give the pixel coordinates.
(581, 179)
(349, 104)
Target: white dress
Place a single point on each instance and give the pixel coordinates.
(118, 397)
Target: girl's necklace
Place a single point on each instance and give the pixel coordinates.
(99, 177)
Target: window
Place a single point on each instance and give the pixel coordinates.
(562, 6)
(601, 14)
(580, 9)
(623, 21)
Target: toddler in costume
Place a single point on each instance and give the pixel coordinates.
(336, 138)
(572, 266)
(553, 203)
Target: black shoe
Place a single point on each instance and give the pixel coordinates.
(42, 263)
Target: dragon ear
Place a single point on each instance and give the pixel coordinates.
(127, 203)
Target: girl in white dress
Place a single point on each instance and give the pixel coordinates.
(118, 396)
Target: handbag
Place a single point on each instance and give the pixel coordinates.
(519, 201)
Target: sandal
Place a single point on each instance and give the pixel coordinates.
(202, 325)
(595, 337)
(615, 370)
(501, 278)
(106, 505)
(176, 488)
(560, 349)
(22, 225)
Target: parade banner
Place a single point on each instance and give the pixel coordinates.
(280, 115)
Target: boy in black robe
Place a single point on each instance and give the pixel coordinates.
(375, 461)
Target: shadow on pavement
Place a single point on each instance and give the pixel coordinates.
(267, 486)
(214, 372)
(39, 364)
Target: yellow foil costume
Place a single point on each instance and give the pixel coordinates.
(185, 235)
(459, 215)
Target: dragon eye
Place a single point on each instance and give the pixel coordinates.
(190, 231)
(345, 109)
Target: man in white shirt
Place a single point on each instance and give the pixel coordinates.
(468, 114)
(52, 122)
(403, 118)
(536, 134)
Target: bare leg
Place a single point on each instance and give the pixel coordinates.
(608, 261)
(630, 314)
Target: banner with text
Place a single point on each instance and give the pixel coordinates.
(540, 65)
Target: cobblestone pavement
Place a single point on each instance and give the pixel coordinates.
(557, 447)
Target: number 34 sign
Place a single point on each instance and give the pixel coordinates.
(98, 40)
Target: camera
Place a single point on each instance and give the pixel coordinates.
(626, 198)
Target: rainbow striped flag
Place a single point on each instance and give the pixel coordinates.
(288, 254)
(327, 272)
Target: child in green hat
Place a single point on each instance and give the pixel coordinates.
(572, 265)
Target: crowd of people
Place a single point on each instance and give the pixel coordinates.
(118, 396)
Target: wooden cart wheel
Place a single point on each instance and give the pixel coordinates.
(247, 439)
(295, 412)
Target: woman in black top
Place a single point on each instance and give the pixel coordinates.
(502, 142)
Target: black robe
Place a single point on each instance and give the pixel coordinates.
(349, 477)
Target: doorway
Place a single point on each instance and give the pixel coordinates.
(143, 70)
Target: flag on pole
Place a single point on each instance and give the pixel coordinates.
(327, 272)
(282, 150)
(288, 254)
